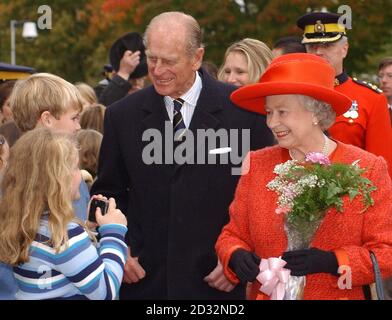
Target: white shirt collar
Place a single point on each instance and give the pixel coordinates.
(192, 95)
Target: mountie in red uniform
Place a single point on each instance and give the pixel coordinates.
(366, 124)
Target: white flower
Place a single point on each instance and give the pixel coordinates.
(309, 180)
(284, 168)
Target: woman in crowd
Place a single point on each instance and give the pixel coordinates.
(52, 254)
(297, 95)
(244, 62)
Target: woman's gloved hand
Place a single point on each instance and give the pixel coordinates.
(245, 265)
(308, 261)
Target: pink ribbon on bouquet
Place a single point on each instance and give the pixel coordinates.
(273, 277)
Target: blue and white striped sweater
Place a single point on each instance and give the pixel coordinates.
(79, 271)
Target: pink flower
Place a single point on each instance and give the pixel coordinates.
(289, 193)
(317, 157)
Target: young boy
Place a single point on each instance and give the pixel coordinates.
(46, 100)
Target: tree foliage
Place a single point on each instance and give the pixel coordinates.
(77, 46)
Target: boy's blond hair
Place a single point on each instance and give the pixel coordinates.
(39, 93)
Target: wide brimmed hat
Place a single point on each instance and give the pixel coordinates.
(294, 73)
(131, 41)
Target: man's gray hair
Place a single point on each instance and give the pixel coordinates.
(193, 30)
(343, 39)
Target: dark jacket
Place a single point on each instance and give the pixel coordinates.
(116, 89)
(175, 212)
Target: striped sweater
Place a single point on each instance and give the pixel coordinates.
(79, 271)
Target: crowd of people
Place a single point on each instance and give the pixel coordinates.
(183, 225)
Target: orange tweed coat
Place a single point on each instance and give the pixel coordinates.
(256, 227)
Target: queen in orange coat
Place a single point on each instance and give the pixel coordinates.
(296, 93)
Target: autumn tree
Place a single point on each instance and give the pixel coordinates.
(82, 31)
(226, 21)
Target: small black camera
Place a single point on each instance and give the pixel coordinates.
(96, 203)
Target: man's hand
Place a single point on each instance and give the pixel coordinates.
(217, 279)
(128, 63)
(133, 271)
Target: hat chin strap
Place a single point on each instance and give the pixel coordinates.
(306, 40)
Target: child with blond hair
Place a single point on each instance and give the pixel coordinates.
(87, 93)
(92, 118)
(46, 100)
(89, 145)
(51, 251)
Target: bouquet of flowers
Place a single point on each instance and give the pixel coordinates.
(305, 193)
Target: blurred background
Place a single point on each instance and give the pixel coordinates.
(77, 45)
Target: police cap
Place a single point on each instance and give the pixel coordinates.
(321, 27)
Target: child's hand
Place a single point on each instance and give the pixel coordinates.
(91, 218)
(112, 216)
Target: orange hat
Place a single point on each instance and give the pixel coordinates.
(294, 73)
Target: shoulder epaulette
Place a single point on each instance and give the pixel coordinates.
(368, 85)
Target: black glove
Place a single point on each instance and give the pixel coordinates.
(308, 261)
(245, 265)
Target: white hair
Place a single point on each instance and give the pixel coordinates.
(192, 27)
(323, 111)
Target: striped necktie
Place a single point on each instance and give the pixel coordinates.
(178, 121)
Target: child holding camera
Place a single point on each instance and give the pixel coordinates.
(52, 254)
(46, 100)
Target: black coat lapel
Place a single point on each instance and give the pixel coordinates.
(155, 117)
(155, 111)
(205, 116)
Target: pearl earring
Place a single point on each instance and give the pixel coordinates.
(315, 123)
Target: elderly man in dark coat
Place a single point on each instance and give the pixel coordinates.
(170, 157)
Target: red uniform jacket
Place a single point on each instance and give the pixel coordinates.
(254, 225)
(371, 130)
